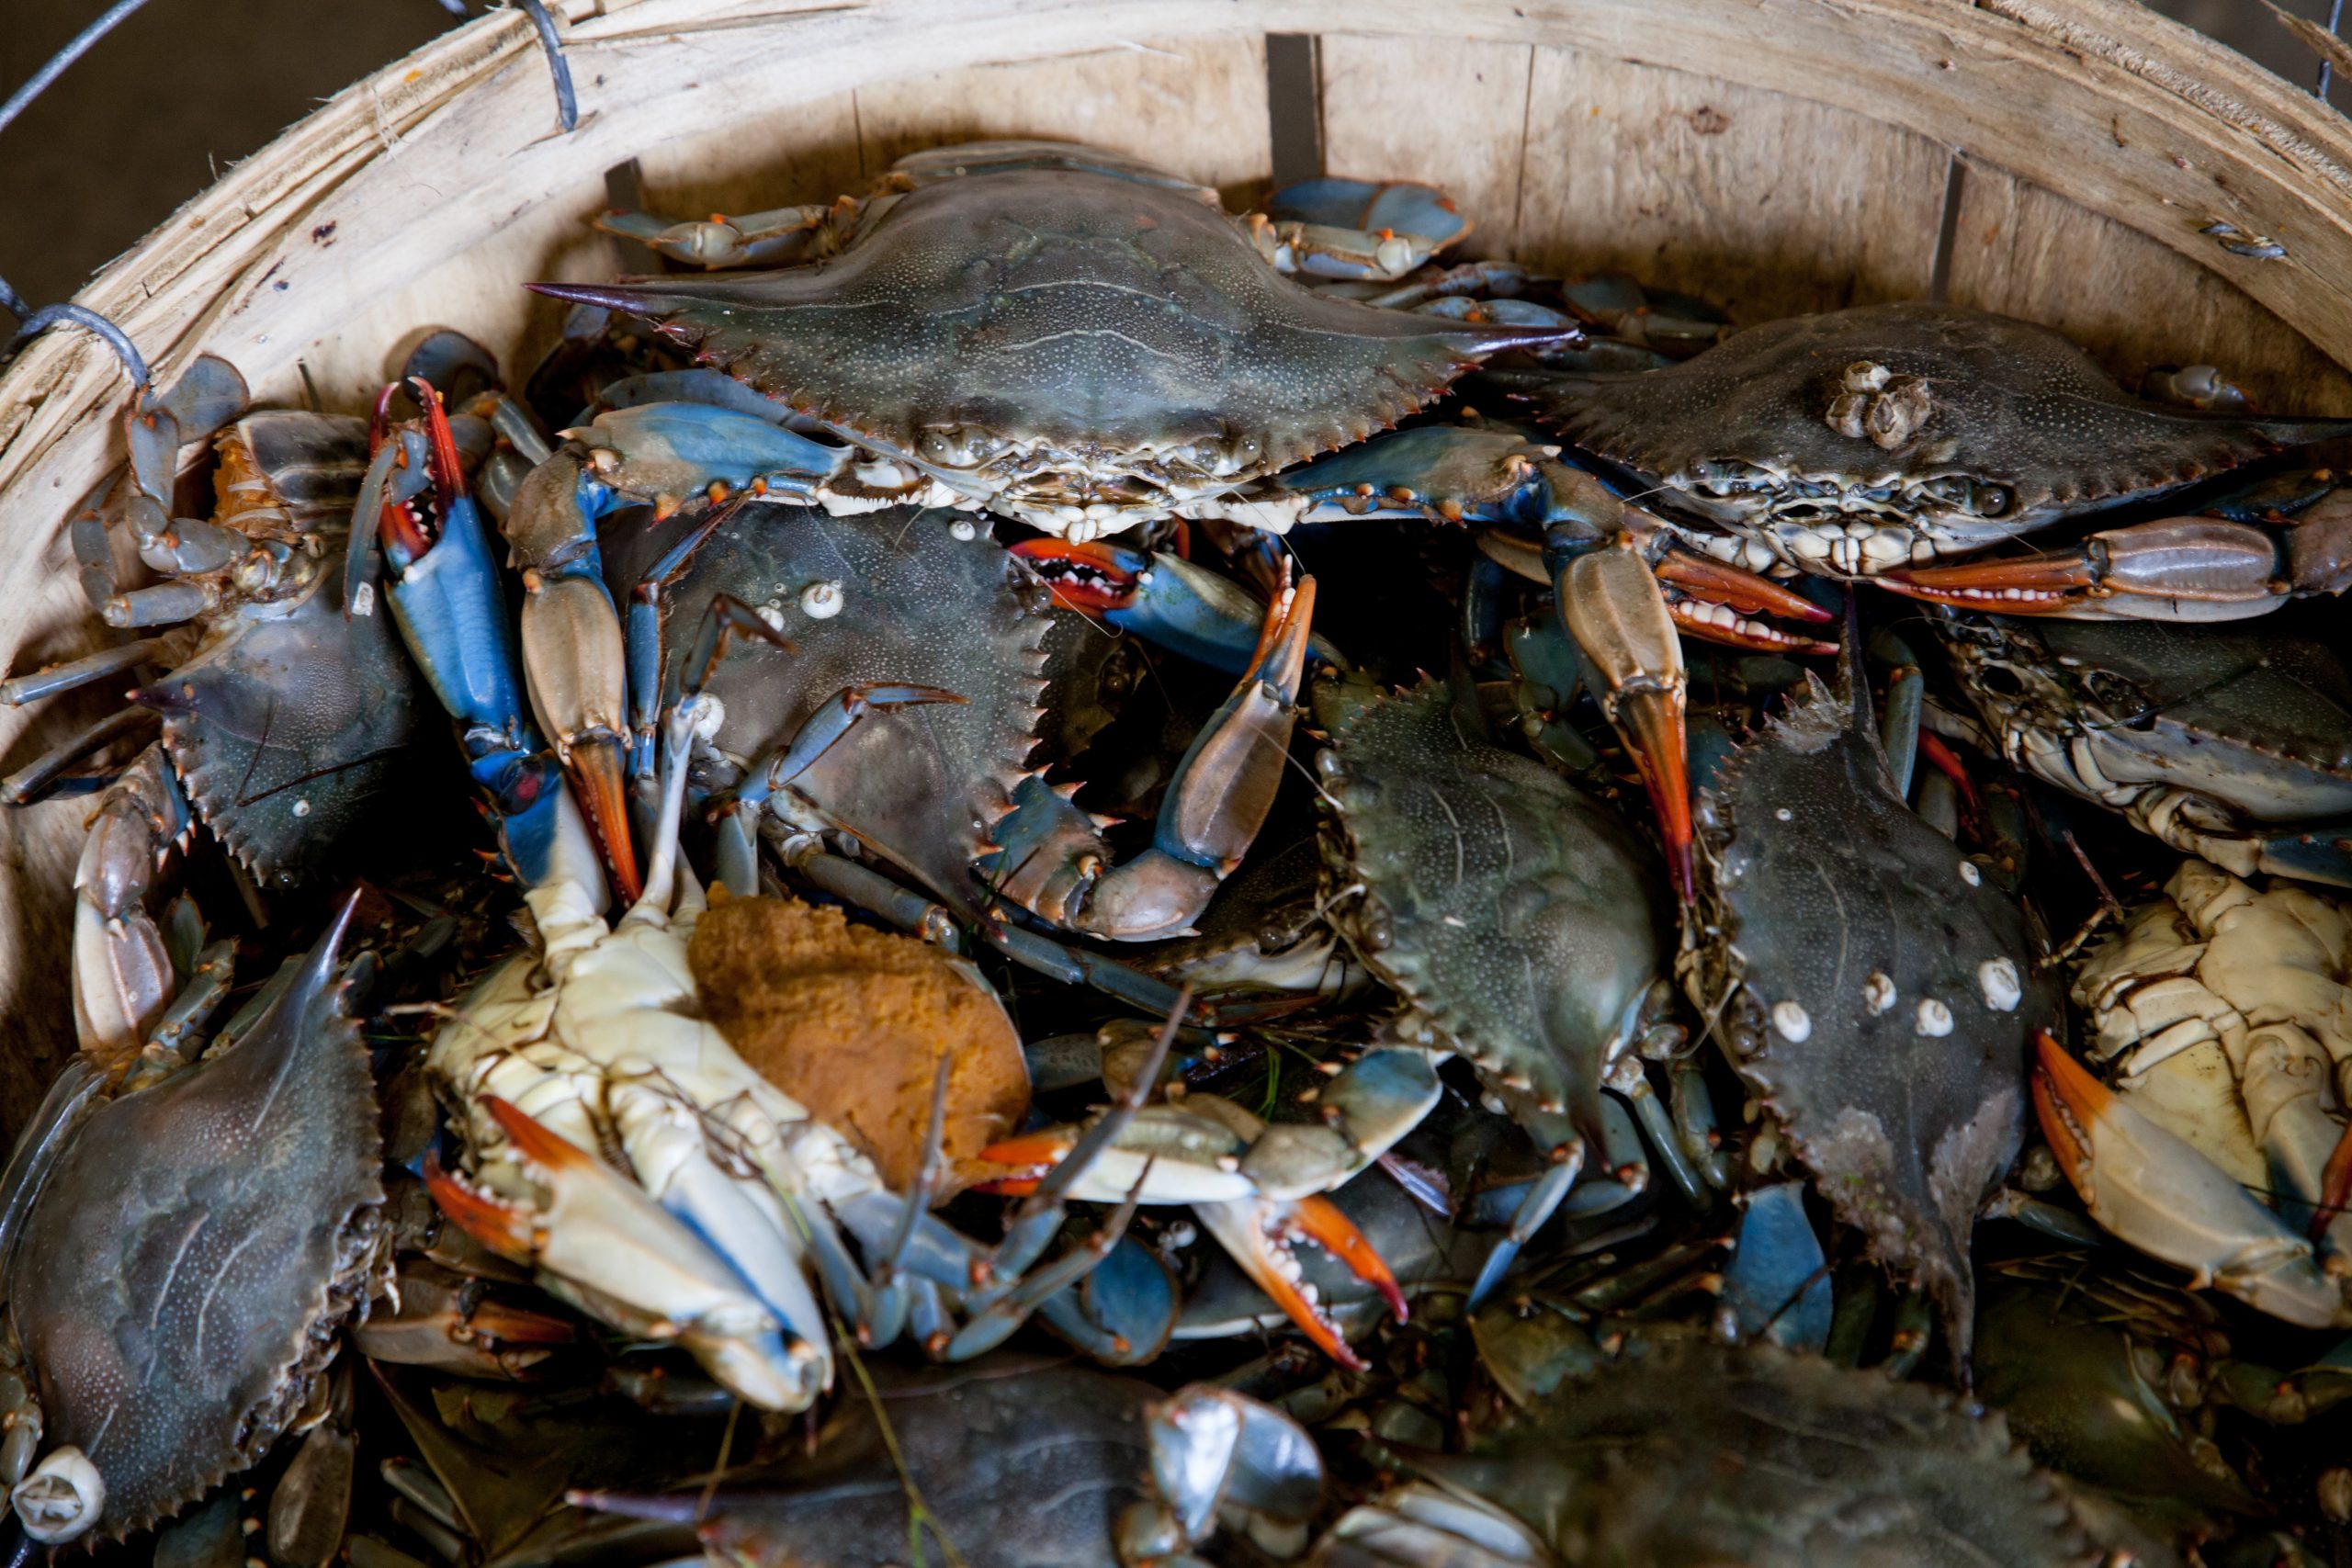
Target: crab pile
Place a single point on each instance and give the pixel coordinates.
(1143, 885)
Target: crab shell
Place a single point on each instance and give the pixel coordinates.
(182, 1274)
(1949, 429)
(1518, 917)
(2259, 723)
(1688, 1452)
(926, 596)
(289, 725)
(1071, 336)
(1876, 990)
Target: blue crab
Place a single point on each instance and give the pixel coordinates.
(1677, 1450)
(1878, 441)
(178, 1257)
(281, 728)
(1870, 985)
(1523, 928)
(2220, 1147)
(1061, 335)
(2228, 744)
(887, 675)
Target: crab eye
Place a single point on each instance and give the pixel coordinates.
(1990, 501)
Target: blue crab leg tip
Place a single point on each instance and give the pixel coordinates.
(685, 1509)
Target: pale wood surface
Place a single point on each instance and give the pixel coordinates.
(2130, 301)
(1764, 203)
(1778, 154)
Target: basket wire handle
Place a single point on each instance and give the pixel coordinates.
(35, 322)
(76, 47)
(566, 103)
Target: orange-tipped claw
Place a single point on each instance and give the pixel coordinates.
(2034, 585)
(505, 1228)
(1710, 624)
(549, 1151)
(1095, 576)
(1323, 1221)
(1652, 722)
(2067, 1099)
(1029, 1153)
(597, 778)
(1743, 590)
(1613, 608)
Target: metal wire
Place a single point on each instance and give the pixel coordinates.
(74, 48)
(2326, 67)
(567, 103)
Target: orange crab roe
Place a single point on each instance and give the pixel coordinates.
(851, 1023)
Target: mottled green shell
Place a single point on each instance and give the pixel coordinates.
(1065, 302)
(182, 1275)
(1515, 913)
(1685, 1453)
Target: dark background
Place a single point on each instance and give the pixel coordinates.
(186, 87)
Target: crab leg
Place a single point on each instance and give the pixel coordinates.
(2151, 1189)
(2172, 569)
(597, 1238)
(1257, 1187)
(1050, 856)
(450, 607)
(1611, 605)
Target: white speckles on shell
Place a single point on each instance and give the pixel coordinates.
(1783, 815)
(1933, 1017)
(302, 808)
(1998, 978)
(1792, 1021)
(822, 601)
(1970, 874)
(1878, 993)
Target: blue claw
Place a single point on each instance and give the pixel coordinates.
(1370, 206)
(1162, 598)
(450, 606)
(1777, 1283)
(1456, 474)
(680, 449)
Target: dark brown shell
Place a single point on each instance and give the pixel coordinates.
(1819, 885)
(181, 1277)
(923, 785)
(2010, 404)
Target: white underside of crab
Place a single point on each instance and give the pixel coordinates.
(2224, 1009)
(599, 1039)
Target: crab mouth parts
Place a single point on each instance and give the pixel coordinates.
(1086, 579)
(1759, 490)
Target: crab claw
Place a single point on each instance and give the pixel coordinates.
(597, 1239)
(1719, 603)
(1052, 857)
(2151, 1189)
(2172, 569)
(573, 661)
(1160, 597)
(1611, 606)
(1172, 1154)
(1262, 1235)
